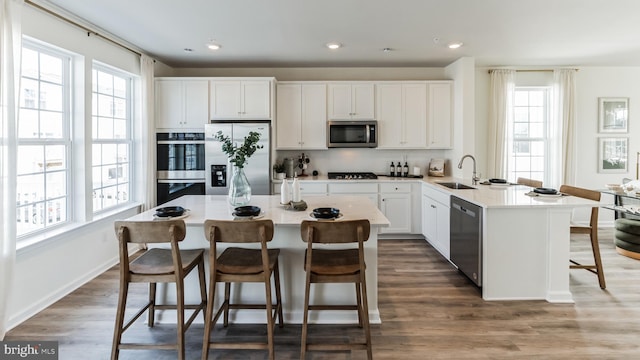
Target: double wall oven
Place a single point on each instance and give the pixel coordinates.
(180, 165)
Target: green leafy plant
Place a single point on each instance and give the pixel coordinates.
(238, 155)
(278, 167)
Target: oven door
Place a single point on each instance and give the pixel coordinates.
(172, 189)
(180, 159)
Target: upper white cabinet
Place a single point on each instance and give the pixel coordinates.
(402, 115)
(181, 104)
(439, 115)
(240, 99)
(351, 101)
(301, 121)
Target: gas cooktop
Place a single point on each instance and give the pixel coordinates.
(351, 175)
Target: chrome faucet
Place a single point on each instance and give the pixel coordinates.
(474, 178)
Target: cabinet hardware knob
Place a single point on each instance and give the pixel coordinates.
(433, 206)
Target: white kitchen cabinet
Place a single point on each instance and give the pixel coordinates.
(368, 189)
(440, 115)
(401, 110)
(307, 188)
(395, 204)
(301, 121)
(240, 99)
(351, 101)
(435, 219)
(181, 104)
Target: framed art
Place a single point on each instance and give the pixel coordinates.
(612, 155)
(614, 115)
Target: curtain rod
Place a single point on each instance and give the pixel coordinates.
(529, 70)
(89, 31)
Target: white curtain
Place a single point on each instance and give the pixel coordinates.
(10, 51)
(148, 132)
(502, 91)
(563, 156)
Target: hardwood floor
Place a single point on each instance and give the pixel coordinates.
(429, 311)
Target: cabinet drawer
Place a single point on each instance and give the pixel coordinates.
(439, 196)
(391, 188)
(313, 188)
(355, 188)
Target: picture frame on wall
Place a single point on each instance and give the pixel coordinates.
(613, 154)
(614, 115)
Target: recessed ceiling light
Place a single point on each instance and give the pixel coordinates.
(334, 45)
(213, 46)
(387, 50)
(454, 45)
(188, 50)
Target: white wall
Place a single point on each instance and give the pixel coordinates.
(49, 270)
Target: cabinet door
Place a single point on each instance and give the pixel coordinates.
(196, 103)
(414, 116)
(314, 116)
(225, 99)
(289, 108)
(429, 219)
(362, 101)
(168, 104)
(443, 230)
(397, 208)
(255, 98)
(440, 116)
(389, 110)
(340, 101)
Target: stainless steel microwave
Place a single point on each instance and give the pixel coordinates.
(351, 134)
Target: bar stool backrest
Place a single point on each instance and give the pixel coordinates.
(334, 232)
(233, 231)
(151, 231)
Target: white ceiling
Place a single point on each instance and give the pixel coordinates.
(292, 33)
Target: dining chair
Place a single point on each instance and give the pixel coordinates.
(331, 265)
(591, 230)
(529, 182)
(241, 265)
(154, 266)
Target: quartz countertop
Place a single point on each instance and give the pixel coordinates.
(487, 196)
(202, 207)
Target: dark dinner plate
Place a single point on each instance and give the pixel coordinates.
(247, 211)
(326, 213)
(545, 191)
(170, 211)
(498, 181)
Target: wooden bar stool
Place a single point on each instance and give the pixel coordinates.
(529, 182)
(154, 266)
(591, 230)
(240, 265)
(336, 266)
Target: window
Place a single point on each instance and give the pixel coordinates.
(111, 117)
(529, 138)
(43, 139)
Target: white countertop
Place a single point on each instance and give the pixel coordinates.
(487, 196)
(203, 207)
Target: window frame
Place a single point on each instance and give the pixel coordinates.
(66, 140)
(513, 173)
(128, 140)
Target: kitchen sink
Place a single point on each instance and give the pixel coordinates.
(454, 185)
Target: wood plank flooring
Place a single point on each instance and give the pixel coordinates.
(428, 309)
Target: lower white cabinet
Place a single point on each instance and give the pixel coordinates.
(395, 204)
(435, 219)
(360, 189)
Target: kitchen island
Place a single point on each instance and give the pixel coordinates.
(287, 239)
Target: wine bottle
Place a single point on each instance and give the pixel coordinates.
(392, 169)
(405, 170)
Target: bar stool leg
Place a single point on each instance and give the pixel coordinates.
(595, 247)
(117, 331)
(203, 288)
(359, 304)
(152, 306)
(276, 274)
(269, 309)
(227, 293)
(209, 317)
(365, 312)
(180, 311)
(305, 317)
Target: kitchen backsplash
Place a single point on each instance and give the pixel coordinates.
(361, 160)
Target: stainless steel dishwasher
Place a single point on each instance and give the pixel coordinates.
(466, 238)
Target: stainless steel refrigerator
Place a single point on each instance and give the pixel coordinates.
(218, 169)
